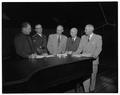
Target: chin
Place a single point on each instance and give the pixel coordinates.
(28, 34)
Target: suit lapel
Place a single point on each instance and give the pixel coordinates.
(92, 38)
(92, 41)
(61, 39)
(55, 39)
(76, 40)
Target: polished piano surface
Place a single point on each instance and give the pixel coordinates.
(36, 75)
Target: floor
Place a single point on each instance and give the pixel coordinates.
(106, 82)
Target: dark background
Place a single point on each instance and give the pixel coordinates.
(103, 15)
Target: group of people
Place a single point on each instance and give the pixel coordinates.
(90, 43)
(30, 46)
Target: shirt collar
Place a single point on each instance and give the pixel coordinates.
(90, 36)
(58, 36)
(74, 38)
(39, 34)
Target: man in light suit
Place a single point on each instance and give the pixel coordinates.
(57, 42)
(73, 41)
(90, 44)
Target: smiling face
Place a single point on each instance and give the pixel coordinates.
(38, 29)
(26, 29)
(89, 29)
(73, 32)
(59, 29)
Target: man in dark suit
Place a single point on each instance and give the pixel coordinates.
(39, 40)
(23, 42)
(73, 41)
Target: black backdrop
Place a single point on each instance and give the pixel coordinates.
(103, 15)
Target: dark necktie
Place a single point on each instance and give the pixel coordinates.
(88, 39)
(72, 40)
(58, 40)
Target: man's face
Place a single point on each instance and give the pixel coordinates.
(59, 30)
(89, 29)
(73, 33)
(38, 29)
(27, 30)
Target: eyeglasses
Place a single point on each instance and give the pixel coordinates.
(38, 28)
(60, 30)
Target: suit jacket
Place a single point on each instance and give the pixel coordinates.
(23, 45)
(40, 43)
(93, 47)
(52, 45)
(72, 45)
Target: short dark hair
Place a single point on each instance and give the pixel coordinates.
(25, 24)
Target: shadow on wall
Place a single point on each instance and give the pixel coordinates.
(109, 54)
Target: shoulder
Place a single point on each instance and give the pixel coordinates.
(52, 35)
(98, 36)
(44, 36)
(78, 38)
(19, 39)
(19, 36)
(35, 35)
(65, 37)
(83, 37)
(68, 39)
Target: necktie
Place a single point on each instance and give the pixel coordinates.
(58, 40)
(88, 38)
(72, 40)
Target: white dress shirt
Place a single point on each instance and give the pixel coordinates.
(39, 34)
(74, 38)
(90, 36)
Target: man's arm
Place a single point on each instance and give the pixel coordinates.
(98, 47)
(45, 44)
(67, 45)
(49, 44)
(20, 48)
(64, 45)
